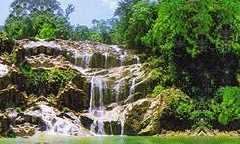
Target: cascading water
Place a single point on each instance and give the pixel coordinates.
(116, 77)
(106, 60)
(98, 87)
(86, 57)
(54, 123)
(117, 89)
(134, 72)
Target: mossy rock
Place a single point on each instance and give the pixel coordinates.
(112, 128)
(135, 116)
(4, 125)
(11, 97)
(74, 98)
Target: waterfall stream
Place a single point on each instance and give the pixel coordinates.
(98, 87)
(112, 74)
(54, 123)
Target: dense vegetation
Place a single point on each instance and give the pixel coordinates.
(45, 81)
(192, 45)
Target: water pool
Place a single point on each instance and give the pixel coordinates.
(46, 139)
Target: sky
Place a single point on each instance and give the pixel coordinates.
(85, 10)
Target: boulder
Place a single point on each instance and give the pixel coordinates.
(86, 121)
(149, 116)
(134, 114)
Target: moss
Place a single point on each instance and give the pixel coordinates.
(46, 81)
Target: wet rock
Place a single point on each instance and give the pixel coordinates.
(11, 97)
(86, 121)
(24, 130)
(4, 125)
(80, 82)
(134, 116)
(112, 127)
(147, 116)
(143, 88)
(73, 98)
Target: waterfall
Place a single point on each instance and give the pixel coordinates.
(106, 60)
(132, 88)
(55, 124)
(98, 87)
(117, 89)
(122, 58)
(86, 57)
(116, 69)
(135, 71)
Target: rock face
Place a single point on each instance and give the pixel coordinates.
(4, 125)
(11, 97)
(105, 94)
(74, 98)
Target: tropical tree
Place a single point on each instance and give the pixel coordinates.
(200, 39)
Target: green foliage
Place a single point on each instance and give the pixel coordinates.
(6, 44)
(46, 25)
(18, 28)
(160, 72)
(38, 18)
(95, 37)
(197, 24)
(81, 33)
(66, 110)
(229, 106)
(43, 25)
(199, 41)
(157, 90)
(25, 7)
(136, 19)
(178, 102)
(38, 78)
(47, 32)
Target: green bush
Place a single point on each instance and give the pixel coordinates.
(38, 78)
(19, 27)
(178, 103)
(228, 104)
(160, 72)
(47, 32)
(157, 90)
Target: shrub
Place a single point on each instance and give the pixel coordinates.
(228, 107)
(178, 102)
(50, 79)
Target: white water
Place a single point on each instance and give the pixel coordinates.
(98, 86)
(3, 70)
(106, 60)
(55, 124)
(97, 109)
(135, 71)
(117, 89)
(86, 57)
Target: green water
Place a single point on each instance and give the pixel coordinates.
(120, 140)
